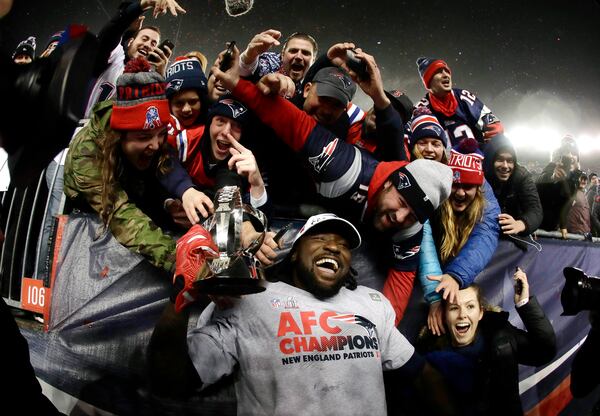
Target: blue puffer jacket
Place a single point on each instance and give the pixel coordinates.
(472, 258)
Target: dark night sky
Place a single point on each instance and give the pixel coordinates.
(534, 63)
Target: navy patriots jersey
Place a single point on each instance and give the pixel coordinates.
(469, 120)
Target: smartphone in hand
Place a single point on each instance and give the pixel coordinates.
(161, 46)
(357, 65)
(227, 57)
(519, 287)
(518, 284)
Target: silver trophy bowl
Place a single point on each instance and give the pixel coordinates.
(234, 270)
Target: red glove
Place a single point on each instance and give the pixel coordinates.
(192, 251)
(491, 130)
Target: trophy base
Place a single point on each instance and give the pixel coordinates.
(229, 286)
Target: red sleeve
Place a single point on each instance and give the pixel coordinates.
(397, 288)
(406, 149)
(292, 125)
(355, 132)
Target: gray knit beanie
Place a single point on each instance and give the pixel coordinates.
(425, 184)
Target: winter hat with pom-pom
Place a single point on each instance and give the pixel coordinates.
(141, 103)
(425, 125)
(26, 47)
(466, 163)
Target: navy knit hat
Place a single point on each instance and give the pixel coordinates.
(230, 108)
(186, 74)
(426, 125)
(424, 184)
(25, 47)
(428, 67)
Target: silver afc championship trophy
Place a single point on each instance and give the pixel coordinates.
(234, 271)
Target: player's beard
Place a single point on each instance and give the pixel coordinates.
(307, 278)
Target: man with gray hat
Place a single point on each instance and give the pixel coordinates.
(395, 197)
(298, 346)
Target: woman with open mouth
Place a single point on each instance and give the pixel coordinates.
(118, 164)
(479, 354)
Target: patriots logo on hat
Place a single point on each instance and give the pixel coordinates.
(321, 161)
(345, 80)
(396, 93)
(436, 129)
(489, 119)
(456, 176)
(152, 118)
(401, 254)
(175, 84)
(237, 109)
(403, 181)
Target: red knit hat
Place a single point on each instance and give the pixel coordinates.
(427, 68)
(466, 163)
(141, 103)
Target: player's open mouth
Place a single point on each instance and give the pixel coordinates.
(327, 265)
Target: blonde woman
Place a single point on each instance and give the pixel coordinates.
(463, 233)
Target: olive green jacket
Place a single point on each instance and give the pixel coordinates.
(83, 183)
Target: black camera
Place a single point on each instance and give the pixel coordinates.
(43, 103)
(581, 292)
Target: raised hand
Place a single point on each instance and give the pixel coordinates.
(522, 287)
(161, 7)
(260, 43)
(193, 200)
(447, 284)
(373, 85)
(160, 59)
(244, 162)
(337, 53)
(230, 78)
(277, 83)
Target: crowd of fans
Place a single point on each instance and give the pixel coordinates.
(435, 184)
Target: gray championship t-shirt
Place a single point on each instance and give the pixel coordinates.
(300, 355)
